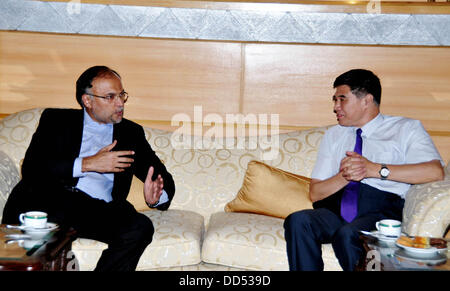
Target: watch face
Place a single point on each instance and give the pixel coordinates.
(384, 172)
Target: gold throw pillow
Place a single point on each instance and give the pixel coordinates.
(270, 191)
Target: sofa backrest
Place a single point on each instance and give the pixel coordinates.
(206, 178)
(16, 131)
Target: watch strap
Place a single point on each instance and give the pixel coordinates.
(153, 205)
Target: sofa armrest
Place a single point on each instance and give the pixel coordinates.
(9, 177)
(427, 209)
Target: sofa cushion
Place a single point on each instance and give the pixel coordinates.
(251, 241)
(176, 242)
(245, 240)
(202, 267)
(270, 191)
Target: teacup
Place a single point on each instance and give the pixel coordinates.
(34, 219)
(389, 227)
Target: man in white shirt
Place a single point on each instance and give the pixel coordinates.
(364, 168)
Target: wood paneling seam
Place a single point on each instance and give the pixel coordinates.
(242, 79)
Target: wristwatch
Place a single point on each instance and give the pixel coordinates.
(153, 205)
(384, 172)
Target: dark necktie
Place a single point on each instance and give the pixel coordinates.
(349, 201)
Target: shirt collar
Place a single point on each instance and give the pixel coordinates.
(91, 124)
(372, 125)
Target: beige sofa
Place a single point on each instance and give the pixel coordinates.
(196, 233)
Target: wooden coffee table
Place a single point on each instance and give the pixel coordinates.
(386, 256)
(50, 253)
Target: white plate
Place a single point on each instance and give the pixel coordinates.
(50, 226)
(421, 252)
(433, 258)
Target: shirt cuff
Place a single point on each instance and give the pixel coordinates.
(77, 168)
(162, 199)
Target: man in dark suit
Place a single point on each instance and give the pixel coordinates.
(79, 167)
(364, 167)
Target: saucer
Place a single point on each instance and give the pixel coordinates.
(40, 231)
(386, 238)
(383, 237)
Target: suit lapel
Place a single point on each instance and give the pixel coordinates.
(72, 135)
(78, 132)
(73, 132)
(117, 181)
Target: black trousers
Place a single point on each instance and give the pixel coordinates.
(307, 230)
(116, 223)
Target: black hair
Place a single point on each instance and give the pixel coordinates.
(84, 82)
(361, 83)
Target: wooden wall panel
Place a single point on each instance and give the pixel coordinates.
(297, 80)
(162, 77)
(442, 143)
(165, 77)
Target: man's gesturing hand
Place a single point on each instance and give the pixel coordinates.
(153, 189)
(107, 161)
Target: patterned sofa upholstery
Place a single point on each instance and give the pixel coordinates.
(196, 233)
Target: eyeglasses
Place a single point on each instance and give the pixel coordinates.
(122, 96)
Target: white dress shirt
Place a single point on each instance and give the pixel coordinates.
(98, 185)
(386, 140)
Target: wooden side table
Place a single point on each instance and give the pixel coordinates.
(51, 253)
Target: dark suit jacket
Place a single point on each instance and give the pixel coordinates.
(55, 145)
